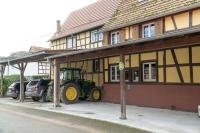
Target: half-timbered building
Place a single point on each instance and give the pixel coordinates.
(160, 41)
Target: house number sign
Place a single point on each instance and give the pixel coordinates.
(121, 66)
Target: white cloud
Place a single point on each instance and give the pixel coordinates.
(30, 22)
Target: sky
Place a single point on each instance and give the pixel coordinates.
(25, 23)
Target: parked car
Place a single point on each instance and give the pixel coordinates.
(14, 90)
(37, 89)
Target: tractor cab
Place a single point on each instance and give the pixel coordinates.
(69, 75)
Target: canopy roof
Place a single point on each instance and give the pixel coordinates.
(24, 56)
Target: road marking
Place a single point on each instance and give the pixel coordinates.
(52, 121)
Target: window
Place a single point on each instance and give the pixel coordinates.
(135, 75)
(114, 73)
(148, 30)
(96, 65)
(43, 68)
(77, 74)
(127, 76)
(96, 36)
(71, 42)
(115, 38)
(149, 71)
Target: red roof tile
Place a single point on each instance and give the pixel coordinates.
(89, 17)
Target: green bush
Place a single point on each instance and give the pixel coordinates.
(8, 80)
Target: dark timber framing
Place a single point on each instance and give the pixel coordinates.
(177, 66)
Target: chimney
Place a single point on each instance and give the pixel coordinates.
(58, 26)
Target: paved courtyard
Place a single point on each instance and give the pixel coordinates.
(150, 119)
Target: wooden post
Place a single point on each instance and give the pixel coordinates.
(122, 88)
(2, 73)
(56, 84)
(22, 67)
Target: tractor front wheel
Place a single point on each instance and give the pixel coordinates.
(70, 93)
(95, 95)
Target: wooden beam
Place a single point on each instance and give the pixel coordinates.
(190, 19)
(177, 65)
(174, 22)
(164, 67)
(122, 90)
(56, 84)
(22, 67)
(190, 63)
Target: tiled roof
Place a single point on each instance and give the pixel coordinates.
(89, 17)
(132, 11)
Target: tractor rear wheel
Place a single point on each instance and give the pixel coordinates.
(95, 94)
(70, 93)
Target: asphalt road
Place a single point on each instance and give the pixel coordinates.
(23, 120)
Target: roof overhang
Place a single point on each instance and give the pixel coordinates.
(130, 42)
(32, 57)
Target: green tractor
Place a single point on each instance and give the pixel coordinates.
(75, 87)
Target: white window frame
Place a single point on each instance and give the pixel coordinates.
(96, 36)
(100, 36)
(117, 40)
(149, 30)
(73, 41)
(150, 72)
(115, 67)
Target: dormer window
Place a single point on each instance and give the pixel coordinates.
(148, 30)
(96, 36)
(115, 38)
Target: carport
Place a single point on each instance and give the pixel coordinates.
(89, 54)
(20, 61)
